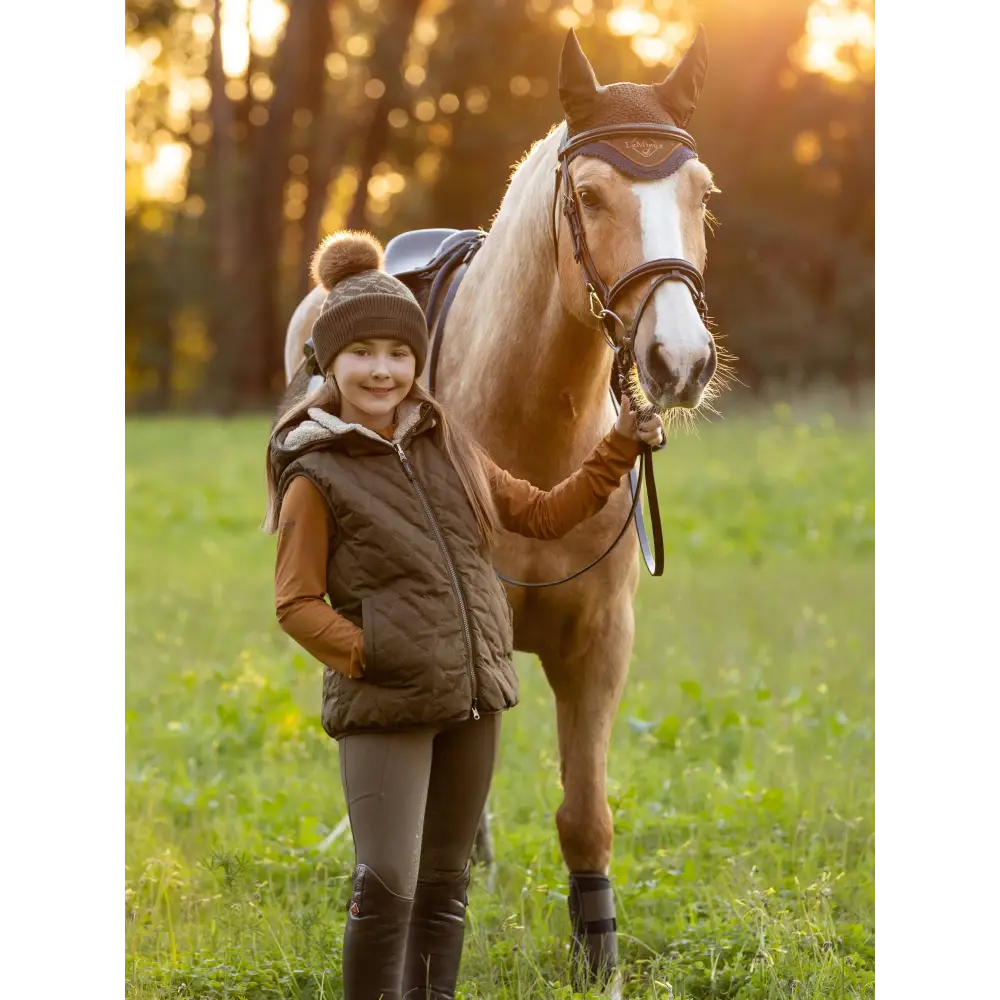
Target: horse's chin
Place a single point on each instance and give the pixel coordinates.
(664, 399)
(684, 404)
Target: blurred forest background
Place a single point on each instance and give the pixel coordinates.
(254, 127)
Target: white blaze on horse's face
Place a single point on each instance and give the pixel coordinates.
(675, 349)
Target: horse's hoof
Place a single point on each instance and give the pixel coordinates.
(613, 989)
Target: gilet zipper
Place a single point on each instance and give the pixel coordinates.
(439, 537)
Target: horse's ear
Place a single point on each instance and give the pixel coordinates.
(678, 93)
(578, 85)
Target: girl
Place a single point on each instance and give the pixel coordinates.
(382, 503)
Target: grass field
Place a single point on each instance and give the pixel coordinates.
(742, 763)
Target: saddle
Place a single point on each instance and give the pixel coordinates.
(414, 250)
(424, 259)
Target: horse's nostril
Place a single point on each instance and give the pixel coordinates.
(697, 369)
(659, 365)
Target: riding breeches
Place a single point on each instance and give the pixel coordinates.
(415, 798)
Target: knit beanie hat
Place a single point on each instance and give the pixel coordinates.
(362, 301)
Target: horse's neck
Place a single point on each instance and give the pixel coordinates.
(527, 379)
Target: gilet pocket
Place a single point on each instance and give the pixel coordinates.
(368, 618)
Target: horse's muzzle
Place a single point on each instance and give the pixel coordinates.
(680, 380)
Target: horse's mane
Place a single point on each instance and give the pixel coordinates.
(420, 282)
(523, 171)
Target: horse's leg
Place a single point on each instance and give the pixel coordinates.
(588, 684)
(482, 849)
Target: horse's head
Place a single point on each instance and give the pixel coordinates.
(640, 199)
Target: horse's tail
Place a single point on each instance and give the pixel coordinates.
(296, 389)
(299, 326)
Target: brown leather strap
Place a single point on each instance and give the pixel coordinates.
(571, 144)
(634, 509)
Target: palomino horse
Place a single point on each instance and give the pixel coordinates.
(522, 366)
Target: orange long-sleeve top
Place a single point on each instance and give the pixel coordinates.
(305, 534)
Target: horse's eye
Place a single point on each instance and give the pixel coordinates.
(588, 199)
(708, 194)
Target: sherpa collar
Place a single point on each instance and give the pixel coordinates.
(323, 426)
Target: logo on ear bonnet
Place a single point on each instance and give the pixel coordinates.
(644, 147)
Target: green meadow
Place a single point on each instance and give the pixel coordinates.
(741, 772)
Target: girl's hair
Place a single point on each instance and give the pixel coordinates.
(468, 459)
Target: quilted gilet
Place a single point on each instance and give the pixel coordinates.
(409, 567)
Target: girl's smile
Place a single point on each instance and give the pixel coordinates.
(374, 376)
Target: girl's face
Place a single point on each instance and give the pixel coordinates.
(374, 377)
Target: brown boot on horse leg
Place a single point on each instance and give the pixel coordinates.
(585, 835)
(587, 697)
(594, 947)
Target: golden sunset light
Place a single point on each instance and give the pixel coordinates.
(267, 21)
(249, 22)
(235, 37)
(628, 19)
(134, 68)
(164, 176)
(139, 62)
(654, 38)
(832, 25)
(259, 24)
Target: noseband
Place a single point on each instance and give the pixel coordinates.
(643, 151)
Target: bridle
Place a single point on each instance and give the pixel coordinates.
(602, 299)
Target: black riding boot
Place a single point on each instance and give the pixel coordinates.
(594, 952)
(437, 930)
(374, 939)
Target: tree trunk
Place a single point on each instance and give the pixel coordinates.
(306, 41)
(221, 391)
(386, 62)
(328, 152)
(155, 352)
(324, 148)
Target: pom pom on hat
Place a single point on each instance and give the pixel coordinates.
(344, 254)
